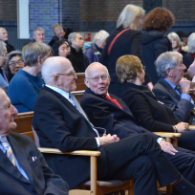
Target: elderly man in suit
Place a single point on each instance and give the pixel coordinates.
(61, 123)
(171, 89)
(23, 169)
(109, 112)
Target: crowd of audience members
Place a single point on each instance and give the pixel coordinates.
(145, 68)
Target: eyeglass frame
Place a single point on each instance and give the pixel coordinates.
(96, 79)
(14, 63)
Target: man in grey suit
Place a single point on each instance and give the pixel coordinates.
(172, 89)
(23, 169)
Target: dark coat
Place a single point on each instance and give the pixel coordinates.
(105, 114)
(154, 43)
(127, 43)
(150, 113)
(9, 47)
(41, 181)
(79, 61)
(154, 115)
(188, 60)
(182, 108)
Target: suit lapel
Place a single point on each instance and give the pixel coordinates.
(6, 164)
(22, 158)
(170, 90)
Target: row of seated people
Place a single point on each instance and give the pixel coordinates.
(131, 153)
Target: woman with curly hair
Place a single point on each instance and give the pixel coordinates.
(155, 42)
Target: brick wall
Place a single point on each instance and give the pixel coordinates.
(44, 14)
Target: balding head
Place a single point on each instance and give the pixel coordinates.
(97, 78)
(58, 72)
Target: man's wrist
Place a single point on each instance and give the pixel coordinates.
(159, 140)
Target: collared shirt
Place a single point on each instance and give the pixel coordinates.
(16, 161)
(66, 95)
(183, 96)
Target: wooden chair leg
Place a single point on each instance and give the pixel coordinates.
(93, 175)
(175, 141)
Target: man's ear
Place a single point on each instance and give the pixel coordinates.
(169, 72)
(56, 79)
(86, 82)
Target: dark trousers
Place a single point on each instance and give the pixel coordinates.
(141, 159)
(187, 140)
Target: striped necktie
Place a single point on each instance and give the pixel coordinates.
(7, 149)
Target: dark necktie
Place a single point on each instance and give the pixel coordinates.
(114, 101)
(178, 88)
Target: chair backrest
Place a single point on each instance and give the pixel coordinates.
(80, 81)
(78, 95)
(23, 121)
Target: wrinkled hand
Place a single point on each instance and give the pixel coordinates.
(167, 147)
(191, 69)
(181, 127)
(185, 85)
(107, 139)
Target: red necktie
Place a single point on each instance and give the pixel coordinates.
(114, 101)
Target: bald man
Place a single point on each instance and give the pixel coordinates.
(61, 123)
(23, 169)
(110, 112)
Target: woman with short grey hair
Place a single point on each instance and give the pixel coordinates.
(93, 53)
(190, 56)
(25, 85)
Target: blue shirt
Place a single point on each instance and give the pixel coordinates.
(23, 90)
(183, 96)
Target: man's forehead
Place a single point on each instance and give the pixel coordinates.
(96, 70)
(3, 99)
(39, 32)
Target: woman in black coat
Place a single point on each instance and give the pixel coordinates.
(125, 40)
(155, 42)
(148, 111)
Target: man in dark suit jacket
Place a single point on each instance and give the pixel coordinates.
(61, 123)
(170, 67)
(27, 172)
(105, 113)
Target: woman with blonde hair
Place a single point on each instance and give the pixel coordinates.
(126, 39)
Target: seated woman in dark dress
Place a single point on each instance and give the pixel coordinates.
(148, 111)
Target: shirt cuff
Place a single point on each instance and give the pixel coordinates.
(159, 140)
(186, 96)
(98, 143)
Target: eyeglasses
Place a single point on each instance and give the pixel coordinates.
(19, 62)
(96, 79)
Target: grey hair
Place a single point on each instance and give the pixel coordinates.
(175, 36)
(101, 35)
(38, 29)
(86, 74)
(1, 28)
(33, 51)
(2, 46)
(167, 60)
(128, 16)
(72, 36)
(191, 43)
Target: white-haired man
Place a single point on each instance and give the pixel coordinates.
(61, 123)
(4, 37)
(77, 58)
(23, 169)
(172, 89)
